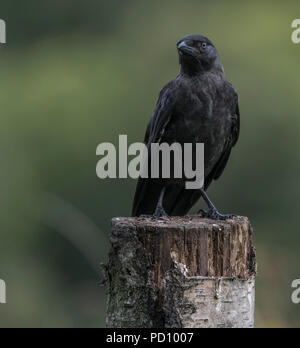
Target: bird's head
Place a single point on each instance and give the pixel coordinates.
(197, 54)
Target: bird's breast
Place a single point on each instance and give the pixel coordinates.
(202, 114)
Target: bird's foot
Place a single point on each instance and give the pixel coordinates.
(215, 215)
(159, 212)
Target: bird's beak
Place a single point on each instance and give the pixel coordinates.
(183, 48)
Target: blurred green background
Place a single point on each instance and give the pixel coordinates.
(76, 73)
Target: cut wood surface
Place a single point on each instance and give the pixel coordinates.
(181, 272)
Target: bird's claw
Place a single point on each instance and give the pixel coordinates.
(215, 215)
(159, 212)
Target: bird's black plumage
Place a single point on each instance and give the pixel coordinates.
(198, 106)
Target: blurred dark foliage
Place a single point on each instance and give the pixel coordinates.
(34, 20)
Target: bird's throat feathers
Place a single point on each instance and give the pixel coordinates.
(199, 67)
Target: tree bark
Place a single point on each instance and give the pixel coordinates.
(181, 272)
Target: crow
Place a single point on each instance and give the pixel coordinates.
(198, 106)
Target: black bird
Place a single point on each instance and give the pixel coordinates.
(198, 106)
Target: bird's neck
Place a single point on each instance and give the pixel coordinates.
(201, 73)
(200, 68)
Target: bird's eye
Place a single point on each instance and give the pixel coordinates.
(203, 45)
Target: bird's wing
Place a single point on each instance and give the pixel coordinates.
(161, 116)
(230, 143)
(184, 200)
(147, 193)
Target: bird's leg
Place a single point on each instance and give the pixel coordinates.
(212, 212)
(160, 211)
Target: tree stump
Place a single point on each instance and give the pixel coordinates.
(181, 272)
